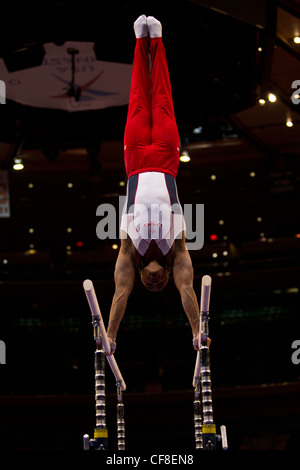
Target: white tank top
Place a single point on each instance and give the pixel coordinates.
(152, 211)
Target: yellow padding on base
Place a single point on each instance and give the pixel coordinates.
(100, 432)
(209, 429)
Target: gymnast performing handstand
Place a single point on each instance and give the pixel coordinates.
(152, 227)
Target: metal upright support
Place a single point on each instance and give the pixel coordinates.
(203, 410)
(208, 428)
(100, 431)
(198, 415)
(100, 440)
(120, 418)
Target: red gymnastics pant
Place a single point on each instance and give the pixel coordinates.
(151, 140)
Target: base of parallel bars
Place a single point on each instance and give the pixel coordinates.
(211, 438)
(100, 441)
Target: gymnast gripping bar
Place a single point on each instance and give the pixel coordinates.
(97, 317)
(204, 308)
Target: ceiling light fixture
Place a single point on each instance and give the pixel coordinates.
(31, 251)
(297, 39)
(272, 98)
(184, 157)
(18, 164)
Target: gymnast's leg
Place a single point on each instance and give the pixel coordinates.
(165, 137)
(139, 119)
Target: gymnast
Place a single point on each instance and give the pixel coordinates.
(152, 227)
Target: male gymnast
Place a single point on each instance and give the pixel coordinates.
(152, 227)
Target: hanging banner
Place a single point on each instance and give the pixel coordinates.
(4, 195)
(95, 84)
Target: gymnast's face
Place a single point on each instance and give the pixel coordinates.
(154, 276)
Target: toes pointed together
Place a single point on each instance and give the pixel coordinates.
(145, 26)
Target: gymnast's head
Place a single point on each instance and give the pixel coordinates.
(154, 276)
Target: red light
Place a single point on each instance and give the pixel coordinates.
(79, 244)
(213, 237)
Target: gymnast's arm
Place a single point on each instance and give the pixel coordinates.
(183, 275)
(124, 281)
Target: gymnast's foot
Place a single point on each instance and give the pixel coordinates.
(140, 27)
(154, 27)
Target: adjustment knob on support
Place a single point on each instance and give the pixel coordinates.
(224, 437)
(86, 442)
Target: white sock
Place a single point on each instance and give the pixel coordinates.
(154, 27)
(140, 27)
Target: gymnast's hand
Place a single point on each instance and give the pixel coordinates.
(113, 346)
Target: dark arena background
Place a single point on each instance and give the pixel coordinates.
(61, 157)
